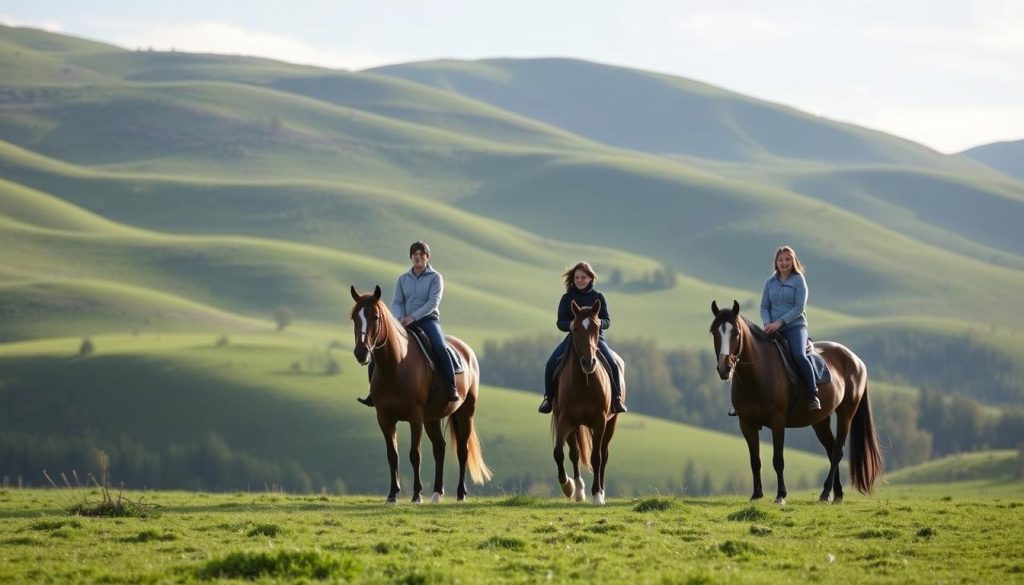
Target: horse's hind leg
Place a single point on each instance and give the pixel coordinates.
(559, 454)
(609, 431)
(843, 422)
(823, 430)
(415, 437)
(461, 428)
(779, 461)
(576, 486)
(437, 442)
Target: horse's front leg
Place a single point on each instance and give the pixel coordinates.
(559, 455)
(391, 442)
(437, 441)
(415, 438)
(577, 487)
(609, 431)
(753, 446)
(597, 463)
(778, 461)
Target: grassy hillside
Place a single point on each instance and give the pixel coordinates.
(1006, 157)
(663, 114)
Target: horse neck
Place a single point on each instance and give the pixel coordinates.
(752, 353)
(575, 369)
(396, 344)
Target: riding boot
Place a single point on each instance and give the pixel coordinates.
(545, 406)
(813, 403)
(453, 394)
(732, 412)
(617, 406)
(368, 401)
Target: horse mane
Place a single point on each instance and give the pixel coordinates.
(758, 333)
(390, 323)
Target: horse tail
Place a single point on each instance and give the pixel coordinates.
(865, 456)
(478, 470)
(585, 444)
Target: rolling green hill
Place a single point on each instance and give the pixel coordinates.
(158, 201)
(1006, 157)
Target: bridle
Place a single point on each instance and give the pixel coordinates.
(733, 359)
(379, 339)
(579, 354)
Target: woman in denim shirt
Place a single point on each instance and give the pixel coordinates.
(782, 311)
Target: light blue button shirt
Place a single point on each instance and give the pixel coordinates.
(784, 300)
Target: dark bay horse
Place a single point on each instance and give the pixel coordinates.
(582, 413)
(761, 393)
(401, 392)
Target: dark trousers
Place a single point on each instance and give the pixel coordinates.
(556, 356)
(432, 327)
(797, 338)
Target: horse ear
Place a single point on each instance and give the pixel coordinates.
(714, 308)
(597, 306)
(376, 292)
(735, 307)
(575, 308)
(355, 294)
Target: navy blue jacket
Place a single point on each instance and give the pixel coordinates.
(584, 298)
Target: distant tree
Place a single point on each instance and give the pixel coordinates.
(332, 367)
(283, 317)
(615, 277)
(86, 348)
(222, 340)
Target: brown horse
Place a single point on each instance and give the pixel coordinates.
(761, 393)
(582, 412)
(401, 392)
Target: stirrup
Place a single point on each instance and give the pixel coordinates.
(814, 403)
(368, 401)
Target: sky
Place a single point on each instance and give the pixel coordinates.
(946, 73)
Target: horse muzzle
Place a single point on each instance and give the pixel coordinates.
(362, 354)
(588, 365)
(724, 366)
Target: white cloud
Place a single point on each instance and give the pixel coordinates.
(727, 27)
(222, 38)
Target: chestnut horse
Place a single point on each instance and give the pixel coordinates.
(761, 393)
(401, 392)
(582, 412)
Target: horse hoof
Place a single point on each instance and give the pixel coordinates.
(436, 498)
(580, 491)
(780, 501)
(417, 499)
(567, 488)
(838, 500)
(823, 500)
(461, 499)
(391, 501)
(599, 499)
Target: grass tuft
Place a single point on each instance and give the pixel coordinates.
(887, 533)
(926, 532)
(504, 542)
(656, 504)
(759, 530)
(270, 530)
(280, 564)
(735, 548)
(751, 513)
(151, 536)
(55, 524)
(520, 501)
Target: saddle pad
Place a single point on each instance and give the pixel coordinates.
(822, 375)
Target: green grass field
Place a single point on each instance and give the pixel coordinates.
(898, 536)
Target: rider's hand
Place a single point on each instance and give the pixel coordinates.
(772, 327)
(406, 321)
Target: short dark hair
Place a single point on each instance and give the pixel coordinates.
(421, 246)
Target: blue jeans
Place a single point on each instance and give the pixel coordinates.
(432, 327)
(797, 338)
(549, 368)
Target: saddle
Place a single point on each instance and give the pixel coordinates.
(428, 352)
(822, 375)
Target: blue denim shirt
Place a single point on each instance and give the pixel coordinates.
(418, 296)
(784, 300)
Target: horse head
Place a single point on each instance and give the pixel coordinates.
(367, 320)
(726, 333)
(584, 331)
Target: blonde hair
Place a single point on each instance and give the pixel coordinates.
(798, 266)
(569, 275)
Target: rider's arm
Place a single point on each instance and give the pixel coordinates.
(433, 298)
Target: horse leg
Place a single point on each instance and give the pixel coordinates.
(753, 446)
(823, 430)
(576, 486)
(597, 463)
(609, 430)
(437, 441)
(559, 454)
(415, 438)
(778, 461)
(461, 428)
(843, 423)
(391, 442)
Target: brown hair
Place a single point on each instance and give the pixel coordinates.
(798, 266)
(570, 274)
(421, 246)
